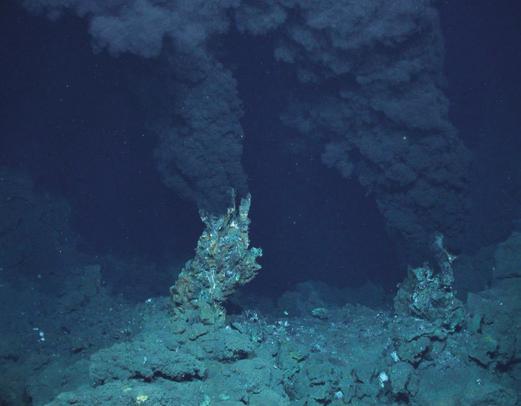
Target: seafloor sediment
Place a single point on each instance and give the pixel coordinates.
(314, 346)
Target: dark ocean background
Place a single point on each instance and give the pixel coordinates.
(362, 130)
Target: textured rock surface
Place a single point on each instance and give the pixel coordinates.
(223, 262)
(430, 297)
(357, 356)
(35, 229)
(508, 258)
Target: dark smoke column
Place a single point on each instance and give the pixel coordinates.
(371, 75)
(200, 137)
(200, 148)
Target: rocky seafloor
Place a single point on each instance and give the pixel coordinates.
(315, 345)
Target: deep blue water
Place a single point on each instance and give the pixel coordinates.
(78, 123)
(360, 132)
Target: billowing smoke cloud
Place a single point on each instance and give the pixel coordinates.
(374, 70)
(371, 93)
(142, 27)
(200, 149)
